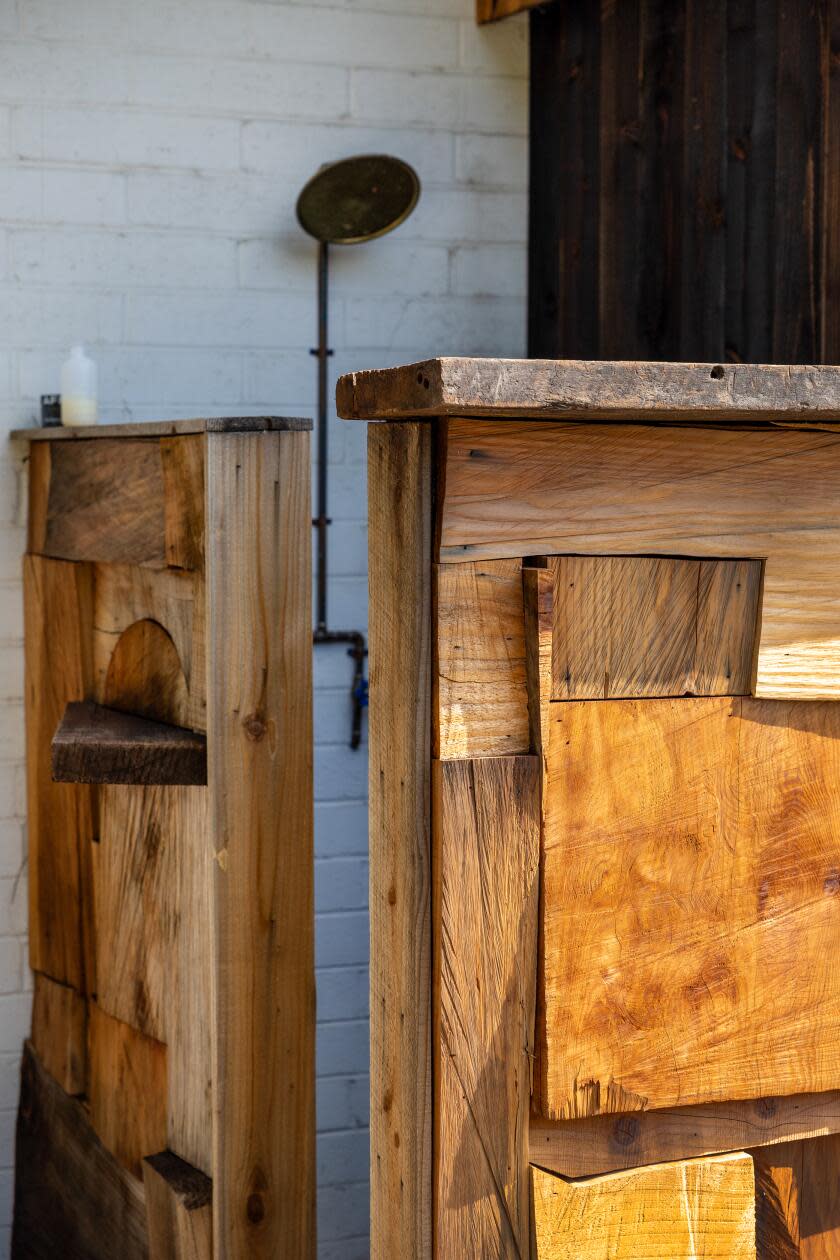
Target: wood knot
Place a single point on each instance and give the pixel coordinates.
(392, 896)
(255, 726)
(255, 1208)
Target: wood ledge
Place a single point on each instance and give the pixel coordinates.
(551, 389)
(94, 744)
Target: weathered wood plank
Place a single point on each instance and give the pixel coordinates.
(592, 390)
(167, 428)
(691, 860)
(125, 594)
(153, 919)
(178, 1209)
(72, 1197)
(485, 910)
(94, 744)
(59, 1033)
(480, 693)
(127, 1088)
(58, 611)
(259, 726)
(105, 502)
(399, 499)
(599, 1144)
(696, 1208)
(629, 626)
(532, 489)
(183, 501)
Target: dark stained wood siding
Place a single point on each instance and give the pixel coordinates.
(685, 180)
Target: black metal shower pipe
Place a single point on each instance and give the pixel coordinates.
(358, 647)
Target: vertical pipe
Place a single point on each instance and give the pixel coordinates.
(323, 355)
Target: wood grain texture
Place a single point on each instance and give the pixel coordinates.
(538, 594)
(179, 1209)
(695, 1210)
(520, 489)
(176, 600)
(480, 701)
(58, 612)
(152, 883)
(400, 534)
(59, 1032)
(127, 1088)
(72, 1197)
(144, 675)
(592, 390)
(183, 501)
(166, 428)
(260, 828)
(106, 502)
(94, 744)
(599, 1144)
(691, 876)
(798, 1201)
(485, 911)
(650, 626)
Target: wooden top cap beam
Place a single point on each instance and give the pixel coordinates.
(166, 428)
(551, 389)
(98, 745)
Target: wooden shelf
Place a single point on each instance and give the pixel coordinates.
(98, 745)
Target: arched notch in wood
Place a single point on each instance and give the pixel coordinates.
(98, 745)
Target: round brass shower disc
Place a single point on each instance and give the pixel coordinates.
(357, 199)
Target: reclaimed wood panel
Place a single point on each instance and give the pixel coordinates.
(59, 1032)
(651, 626)
(183, 501)
(104, 503)
(399, 512)
(480, 692)
(72, 1197)
(58, 612)
(178, 1208)
(533, 489)
(591, 389)
(484, 923)
(127, 1088)
(698, 1208)
(260, 829)
(94, 744)
(599, 1144)
(691, 875)
(152, 902)
(126, 594)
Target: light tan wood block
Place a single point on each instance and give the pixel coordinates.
(481, 700)
(176, 601)
(259, 740)
(652, 626)
(127, 1088)
(485, 899)
(399, 505)
(528, 488)
(59, 1032)
(599, 1144)
(58, 612)
(694, 1210)
(690, 881)
(179, 1209)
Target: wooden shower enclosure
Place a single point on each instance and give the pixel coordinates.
(605, 809)
(167, 1097)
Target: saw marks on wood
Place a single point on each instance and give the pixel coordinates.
(694, 1210)
(485, 891)
(691, 894)
(651, 626)
(528, 488)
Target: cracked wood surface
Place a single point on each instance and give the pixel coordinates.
(484, 929)
(691, 883)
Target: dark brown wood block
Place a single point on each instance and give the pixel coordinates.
(98, 745)
(72, 1197)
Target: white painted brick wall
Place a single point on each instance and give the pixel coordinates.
(150, 157)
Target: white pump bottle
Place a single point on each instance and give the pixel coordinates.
(78, 389)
